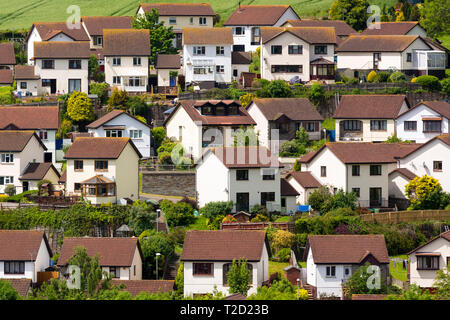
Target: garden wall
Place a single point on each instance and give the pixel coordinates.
(169, 183)
(406, 216)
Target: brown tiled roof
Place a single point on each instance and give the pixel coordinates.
(369, 106)
(150, 286)
(6, 76)
(168, 61)
(7, 55)
(22, 286)
(240, 57)
(126, 42)
(208, 36)
(347, 248)
(61, 50)
(369, 296)
(108, 117)
(443, 137)
(244, 157)
(365, 152)
(441, 107)
(63, 177)
(98, 53)
(97, 179)
(21, 245)
(37, 171)
(180, 9)
(25, 72)
(340, 26)
(45, 117)
(113, 252)
(404, 172)
(223, 245)
(95, 25)
(296, 109)
(305, 179)
(98, 148)
(236, 296)
(48, 30)
(252, 15)
(359, 43)
(390, 28)
(287, 189)
(444, 235)
(308, 34)
(15, 141)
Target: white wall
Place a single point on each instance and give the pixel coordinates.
(125, 70)
(262, 124)
(34, 37)
(33, 86)
(212, 181)
(397, 184)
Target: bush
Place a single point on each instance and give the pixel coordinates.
(6, 95)
(79, 107)
(381, 77)
(282, 239)
(260, 83)
(158, 135)
(101, 90)
(216, 208)
(445, 84)
(214, 223)
(260, 218)
(10, 190)
(259, 209)
(371, 76)
(316, 94)
(430, 83)
(229, 219)
(279, 89)
(292, 149)
(297, 165)
(414, 80)
(397, 76)
(177, 214)
(284, 255)
(118, 100)
(3, 197)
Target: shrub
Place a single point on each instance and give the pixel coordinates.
(381, 77)
(292, 149)
(430, 83)
(445, 84)
(216, 208)
(229, 219)
(316, 94)
(259, 209)
(118, 99)
(297, 165)
(137, 106)
(397, 76)
(214, 223)
(282, 239)
(318, 197)
(371, 76)
(260, 218)
(413, 80)
(6, 95)
(158, 135)
(279, 89)
(191, 202)
(284, 255)
(177, 214)
(10, 190)
(246, 98)
(260, 83)
(79, 107)
(101, 90)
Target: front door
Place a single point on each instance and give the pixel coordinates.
(242, 202)
(47, 157)
(52, 86)
(375, 197)
(173, 81)
(25, 186)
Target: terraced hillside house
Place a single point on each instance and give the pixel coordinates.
(23, 255)
(247, 21)
(181, 15)
(62, 66)
(368, 118)
(240, 62)
(341, 28)
(203, 124)
(35, 172)
(121, 258)
(17, 150)
(43, 120)
(207, 56)
(28, 83)
(168, 67)
(7, 56)
(208, 255)
(126, 53)
(103, 170)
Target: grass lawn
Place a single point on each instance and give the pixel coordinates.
(199, 224)
(283, 219)
(277, 267)
(398, 272)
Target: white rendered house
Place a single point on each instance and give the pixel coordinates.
(304, 184)
(28, 83)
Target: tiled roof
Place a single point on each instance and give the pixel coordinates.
(6, 76)
(7, 56)
(361, 43)
(369, 106)
(37, 171)
(390, 28)
(404, 172)
(441, 107)
(287, 189)
(95, 25)
(168, 61)
(97, 179)
(25, 72)
(296, 109)
(180, 9)
(113, 252)
(341, 27)
(22, 286)
(150, 286)
(98, 148)
(308, 34)
(443, 137)
(108, 117)
(245, 157)
(45, 117)
(223, 245)
(15, 141)
(61, 50)
(236, 296)
(48, 30)
(444, 235)
(241, 57)
(256, 15)
(347, 248)
(305, 179)
(126, 42)
(63, 177)
(21, 245)
(207, 36)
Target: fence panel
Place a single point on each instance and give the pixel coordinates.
(406, 216)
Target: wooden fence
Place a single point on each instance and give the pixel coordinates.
(406, 216)
(258, 226)
(46, 276)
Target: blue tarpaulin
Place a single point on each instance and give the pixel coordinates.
(302, 208)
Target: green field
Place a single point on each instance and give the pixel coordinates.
(21, 14)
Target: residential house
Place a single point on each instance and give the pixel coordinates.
(181, 15)
(28, 83)
(35, 172)
(126, 53)
(240, 62)
(53, 32)
(248, 176)
(362, 168)
(341, 28)
(288, 197)
(7, 56)
(119, 123)
(23, 254)
(427, 259)
(119, 257)
(206, 123)
(44, 120)
(247, 21)
(168, 68)
(6, 78)
(278, 119)
(208, 255)
(17, 150)
(207, 56)
(398, 179)
(134, 287)
(410, 54)
(298, 53)
(424, 121)
(103, 170)
(332, 259)
(62, 66)
(368, 118)
(406, 28)
(304, 183)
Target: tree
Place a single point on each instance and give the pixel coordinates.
(118, 100)
(361, 282)
(316, 94)
(442, 284)
(435, 17)
(7, 292)
(239, 277)
(141, 217)
(161, 38)
(158, 134)
(282, 239)
(413, 293)
(79, 108)
(318, 197)
(353, 12)
(94, 69)
(426, 193)
(279, 89)
(153, 242)
(101, 90)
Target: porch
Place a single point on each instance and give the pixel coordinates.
(99, 189)
(322, 69)
(350, 130)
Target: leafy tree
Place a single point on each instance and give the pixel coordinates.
(279, 89)
(426, 193)
(341, 199)
(413, 293)
(101, 90)
(292, 149)
(56, 289)
(158, 134)
(318, 197)
(179, 280)
(297, 166)
(141, 217)
(137, 106)
(316, 94)
(94, 69)
(397, 76)
(153, 242)
(177, 214)
(282, 239)
(239, 277)
(445, 84)
(415, 13)
(360, 282)
(7, 292)
(79, 108)
(435, 17)
(442, 283)
(118, 100)
(353, 12)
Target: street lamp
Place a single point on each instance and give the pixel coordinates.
(157, 255)
(298, 288)
(158, 214)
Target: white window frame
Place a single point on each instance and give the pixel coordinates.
(117, 61)
(117, 80)
(135, 134)
(137, 61)
(114, 133)
(43, 135)
(7, 158)
(202, 21)
(199, 50)
(328, 271)
(220, 69)
(220, 50)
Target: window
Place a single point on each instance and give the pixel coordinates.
(378, 125)
(408, 57)
(136, 61)
(202, 21)
(241, 175)
(117, 61)
(136, 134)
(23, 85)
(297, 49)
(267, 197)
(173, 20)
(6, 180)
(114, 272)
(101, 165)
(331, 271)
(268, 174)
(14, 267)
(227, 268)
(199, 51)
(220, 69)
(323, 171)
(135, 82)
(203, 269)
(117, 80)
(77, 187)
(200, 70)
(355, 170)
(191, 20)
(98, 41)
(357, 191)
(7, 157)
(377, 56)
(437, 165)
(311, 127)
(352, 125)
(78, 165)
(48, 64)
(375, 170)
(134, 270)
(235, 72)
(431, 126)
(239, 31)
(320, 49)
(427, 262)
(114, 133)
(220, 51)
(287, 69)
(74, 85)
(276, 49)
(74, 64)
(410, 125)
